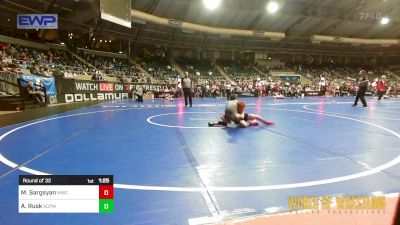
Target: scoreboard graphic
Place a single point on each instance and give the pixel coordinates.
(66, 194)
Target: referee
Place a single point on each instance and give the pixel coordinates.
(187, 86)
(362, 88)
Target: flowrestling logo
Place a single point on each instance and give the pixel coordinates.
(37, 21)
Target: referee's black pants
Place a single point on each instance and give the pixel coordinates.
(228, 94)
(360, 96)
(187, 92)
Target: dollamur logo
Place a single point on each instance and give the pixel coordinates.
(37, 21)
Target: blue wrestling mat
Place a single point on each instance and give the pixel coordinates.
(169, 167)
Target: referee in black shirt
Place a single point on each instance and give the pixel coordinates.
(187, 89)
(362, 88)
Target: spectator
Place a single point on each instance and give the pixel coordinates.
(381, 86)
(13, 68)
(35, 93)
(97, 75)
(34, 69)
(167, 95)
(46, 72)
(138, 94)
(69, 75)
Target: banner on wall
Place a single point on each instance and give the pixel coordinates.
(291, 78)
(47, 82)
(312, 93)
(70, 90)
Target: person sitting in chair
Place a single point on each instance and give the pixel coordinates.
(167, 97)
(35, 93)
(138, 94)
